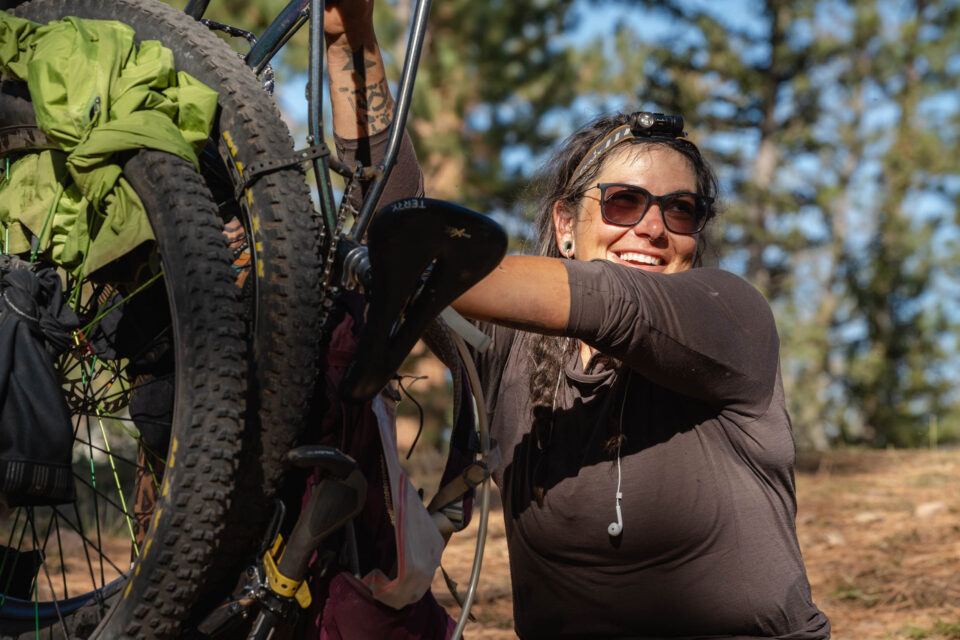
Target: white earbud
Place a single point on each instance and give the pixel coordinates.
(616, 528)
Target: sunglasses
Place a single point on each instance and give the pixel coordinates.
(625, 205)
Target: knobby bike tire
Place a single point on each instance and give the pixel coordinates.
(283, 232)
(197, 302)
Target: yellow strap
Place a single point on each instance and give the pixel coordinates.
(303, 596)
(281, 584)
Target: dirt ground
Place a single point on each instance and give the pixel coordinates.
(879, 530)
(880, 534)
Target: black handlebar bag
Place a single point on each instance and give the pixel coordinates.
(36, 435)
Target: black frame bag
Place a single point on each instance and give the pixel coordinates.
(36, 434)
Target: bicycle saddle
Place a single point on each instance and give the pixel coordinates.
(424, 254)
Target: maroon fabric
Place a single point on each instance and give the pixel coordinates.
(342, 606)
(351, 613)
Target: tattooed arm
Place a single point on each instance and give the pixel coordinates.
(360, 95)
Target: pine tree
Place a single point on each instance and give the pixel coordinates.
(490, 73)
(895, 375)
(781, 100)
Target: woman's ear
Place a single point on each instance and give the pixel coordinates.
(563, 229)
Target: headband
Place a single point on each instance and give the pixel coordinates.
(643, 124)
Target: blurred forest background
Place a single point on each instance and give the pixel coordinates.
(833, 124)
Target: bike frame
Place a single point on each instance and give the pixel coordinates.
(276, 35)
(293, 16)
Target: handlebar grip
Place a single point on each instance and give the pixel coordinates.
(332, 503)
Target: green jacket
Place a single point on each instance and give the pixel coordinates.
(95, 93)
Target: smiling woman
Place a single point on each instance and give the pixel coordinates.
(613, 223)
(647, 457)
(647, 479)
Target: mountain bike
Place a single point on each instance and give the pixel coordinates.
(221, 335)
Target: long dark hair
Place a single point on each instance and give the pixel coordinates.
(553, 184)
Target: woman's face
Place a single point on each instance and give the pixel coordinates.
(647, 245)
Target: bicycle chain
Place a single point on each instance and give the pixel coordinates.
(329, 291)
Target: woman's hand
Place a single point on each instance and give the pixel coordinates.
(346, 21)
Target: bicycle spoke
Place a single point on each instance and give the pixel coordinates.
(130, 462)
(14, 553)
(86, 552)
(125, 391)
(84, 400)
(87, 378)
(96, 500)
(102, 314)
(98, 413)
(43, 563)
(46, 541)
(159, 423)
(95, 398)
(103, 496)
(92, 545)
(36, 594)
(148, 342)
(75, 285)
(116, 479)
(63, 565)
(65, 370)
(154, 475)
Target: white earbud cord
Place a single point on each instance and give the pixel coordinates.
(619, 495)
(616, 528)
(556, 393)
(623, 404)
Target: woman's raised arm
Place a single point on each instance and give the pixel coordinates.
(359, 93)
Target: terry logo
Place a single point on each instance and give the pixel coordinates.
(412, 203)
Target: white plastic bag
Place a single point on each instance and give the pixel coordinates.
(419, 543)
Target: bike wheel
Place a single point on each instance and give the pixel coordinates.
(161, 328)
(280, 230)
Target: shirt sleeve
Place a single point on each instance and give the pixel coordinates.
(406, 179)
(705, 333)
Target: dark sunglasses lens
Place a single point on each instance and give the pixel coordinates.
(682, 213)
(623, 205)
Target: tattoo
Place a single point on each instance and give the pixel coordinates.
(373, 104)
(356, 61)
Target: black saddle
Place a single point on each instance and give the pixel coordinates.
(423, 254)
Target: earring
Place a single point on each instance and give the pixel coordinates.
(567, 248)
